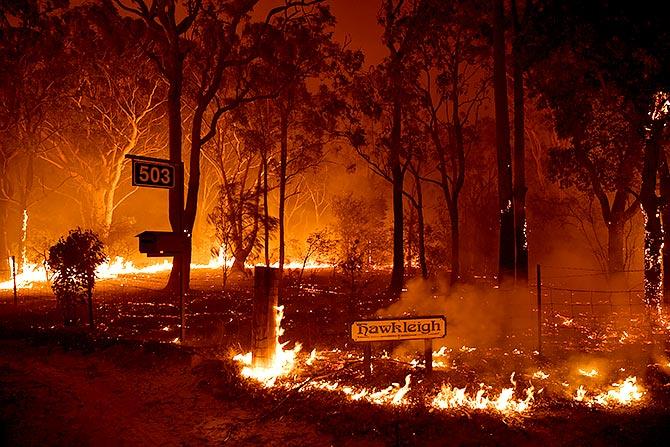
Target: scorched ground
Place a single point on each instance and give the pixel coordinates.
(131, 383)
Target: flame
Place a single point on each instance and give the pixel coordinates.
(541, 375)
(311, 358)
(394, 394)
(592, 373)
(34, 273)
(450, 398)
(624, 393)
(282, 363)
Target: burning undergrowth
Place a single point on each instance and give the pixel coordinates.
(511, 383)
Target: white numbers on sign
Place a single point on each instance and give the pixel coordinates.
(165, 176)
(154, 174)
(144, 173)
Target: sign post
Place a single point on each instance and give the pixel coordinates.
(151, 172)
(392, 329)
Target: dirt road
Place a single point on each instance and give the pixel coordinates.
(122, 398)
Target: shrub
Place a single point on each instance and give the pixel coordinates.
(73, 260)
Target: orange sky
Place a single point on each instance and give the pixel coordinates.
(356, 19)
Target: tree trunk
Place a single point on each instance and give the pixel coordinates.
(455, 244)
(665, 216)
(24, 199)
(519, 159)
(283, 160)
(422, 227)
(266, 210)
(5, 269)
(653, 230)
(397, 178)
(615, 233)
(176, 194)
(238, 263)
(505, 192)
(615, 245)
(22, 257)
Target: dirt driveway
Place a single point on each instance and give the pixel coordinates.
(119, 398)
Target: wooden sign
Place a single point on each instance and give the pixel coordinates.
(389, 329)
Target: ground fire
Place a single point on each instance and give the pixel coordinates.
(334, 222)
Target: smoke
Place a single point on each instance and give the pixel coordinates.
(478, 316)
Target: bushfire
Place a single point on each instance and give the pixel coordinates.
(293, 370)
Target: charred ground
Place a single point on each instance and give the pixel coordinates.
(130, 383)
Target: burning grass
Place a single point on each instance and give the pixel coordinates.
(293, 372)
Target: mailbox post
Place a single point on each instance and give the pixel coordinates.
(158, 173)
(167, 243)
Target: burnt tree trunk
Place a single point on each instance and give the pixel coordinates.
(455, 243)
(176, 194)
(459, 173)
(653, 230)
(266, 210)
(283, 160)
(5, 270)
(615, 245)
(615, 234)
(665, 219)
(520, 189)
(506, 256)
(397, 178)
(422, 226)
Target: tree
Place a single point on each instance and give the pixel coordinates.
(603, 159)
(451, 90)
(362, 245)
(506, 254)
(382, 97)
(213, 50)
(311, 69)
(520, 224)
(113, 111)
(319, 243)
(362, 220)
(237, 216)
(625, 48)
(33, 53)
(74, 259)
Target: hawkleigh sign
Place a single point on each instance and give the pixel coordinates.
(389, 329)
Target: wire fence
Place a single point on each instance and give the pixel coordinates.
(571, 311)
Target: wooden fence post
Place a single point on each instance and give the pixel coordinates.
(263, 321)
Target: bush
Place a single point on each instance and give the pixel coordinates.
(73, 261)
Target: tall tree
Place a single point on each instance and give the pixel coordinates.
(113, 111)
(383, 96)
(520, 224)
(451, 90)
(213, 49)
(311, 67)
(35, 76)
(626, 47)
(505, 190)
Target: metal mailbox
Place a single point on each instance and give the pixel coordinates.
(162, 243)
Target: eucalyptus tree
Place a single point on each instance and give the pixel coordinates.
(209, 53)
